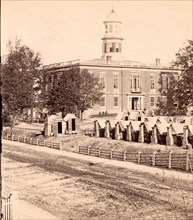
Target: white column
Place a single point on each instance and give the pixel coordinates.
(142, 103)
(129, 103)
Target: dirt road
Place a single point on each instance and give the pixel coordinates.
(77, 188)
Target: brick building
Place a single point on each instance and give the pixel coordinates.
(127, 85)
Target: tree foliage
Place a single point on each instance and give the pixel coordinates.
(166, 100)
(20, 79)
(75, 90)
(184, 91)
(178, 94)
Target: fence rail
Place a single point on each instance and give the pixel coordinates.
(32, 141)
(170, 160)
(180, 161)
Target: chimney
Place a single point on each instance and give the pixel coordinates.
(157, 62)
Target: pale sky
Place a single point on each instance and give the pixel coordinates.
(68, 30)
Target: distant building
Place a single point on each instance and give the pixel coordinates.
(127, 85)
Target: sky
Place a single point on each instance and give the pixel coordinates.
(69, 30)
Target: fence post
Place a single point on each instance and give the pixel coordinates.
(139, 157)
(187, 160)
(79, 149)
(52, 144)
(60, 146)
(153, 158)
(100, 151)
(111, 154)
(24, 139)
(170, 160)
(44, 143)
(37, 141)
(89, 150)
(12, 138)
(18, 138)
(124, 155)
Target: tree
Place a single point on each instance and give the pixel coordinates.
(20, 80)
(75, 89)
(89, 91)
(166, 100)
(63, 92)
(184, 91)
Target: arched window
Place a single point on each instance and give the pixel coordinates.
(116, 28)
(110, 28)
(106, 28)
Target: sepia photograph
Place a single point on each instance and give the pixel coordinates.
(97, 110)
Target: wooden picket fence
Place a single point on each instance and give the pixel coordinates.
(7, 208)
(32, 141)
(170, 160)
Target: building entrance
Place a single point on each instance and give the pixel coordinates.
(59, 127)
(135, 103)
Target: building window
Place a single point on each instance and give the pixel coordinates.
(115, 81)
(135, 82)
(114, 47)
(136, 103)
(117, 48)
(116, 28)
(102, 80)
(106, 28)
(109, 58)
(102, 101)
(152, 101)
(164, 81)
(105, 47)
(152, 81)
(116, 101)
(110, 28)
(176, 76)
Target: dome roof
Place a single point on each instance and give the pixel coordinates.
(112, 16)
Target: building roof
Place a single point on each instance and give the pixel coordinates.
(112, 17)
(123, 124)
(102, 63)
(149, 125)
(151, 120)
(101, 123)
(69, 116)
(112, 123)
(190, 129)
(121, 115)
(135, 125)
(178, 127)
(162, 128)
(188, 120)
(53, 118)
(135, 114)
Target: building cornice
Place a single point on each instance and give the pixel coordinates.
(96, 65)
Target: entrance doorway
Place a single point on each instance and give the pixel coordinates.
(73, 124)
(59, 127)
(135, 103)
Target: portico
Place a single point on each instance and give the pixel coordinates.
(135, 102)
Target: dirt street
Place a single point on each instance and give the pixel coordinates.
(76, 188)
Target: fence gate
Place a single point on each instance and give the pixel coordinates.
(7, 207)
